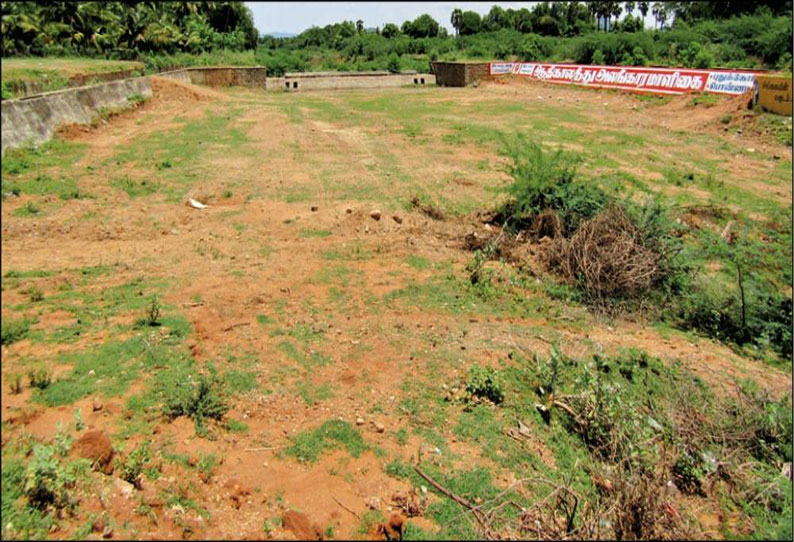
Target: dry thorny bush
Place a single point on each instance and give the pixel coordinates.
(607, 255)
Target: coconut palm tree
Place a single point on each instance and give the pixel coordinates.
(457, 20)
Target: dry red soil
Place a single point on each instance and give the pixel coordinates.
(216, 255)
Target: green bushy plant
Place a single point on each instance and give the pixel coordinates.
(197, 400)
(40, 378)
(547, 180)
(47, 483)
(14, 330)
(485, 383)
(393, 63)
(131, 467)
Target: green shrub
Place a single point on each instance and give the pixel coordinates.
(40, 378)
(393, 63)
(688, 474)
(131, 468)
(15, 383)
(716, 311)
(151, 316)
(485, 383)
(35, 295)
(136, 99)
(544, 180)
(47, 483)
(198, 400)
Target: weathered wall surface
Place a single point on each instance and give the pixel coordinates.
(35, 119)
(325, 81)
(450, 74)
(255, 77)
(460, 74)
(177, 75)
(225, 76)
(476, 71)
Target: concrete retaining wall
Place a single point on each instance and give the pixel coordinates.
(336, 80)
(177, 75)
(23, 89)
(35, 119)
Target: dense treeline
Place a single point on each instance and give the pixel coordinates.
(700, 34)
(124, 30)
(721, 33)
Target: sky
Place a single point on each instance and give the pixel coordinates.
(295, 17)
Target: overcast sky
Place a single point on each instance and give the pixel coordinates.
(295, 17)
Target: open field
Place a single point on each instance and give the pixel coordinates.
(349, 348)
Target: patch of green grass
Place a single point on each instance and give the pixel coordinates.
(474, 485)
(236, 426)
(354, 252)
(652, 99)
(19, 165)
(450, 294)
(33, 273)
(779, 126)
(135, 188)
(337, 274)
(108, 369)
(309, 445)
(14, 330)
(308, 360)
(264, 319)
(239, 381)
(418, 262)
(43, 184)
(308, 233)
(369, 519)
(28, 209)
(705, 99)
(312, 395)
(20, 520)
(187, 148)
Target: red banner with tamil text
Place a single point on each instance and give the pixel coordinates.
(638, 79)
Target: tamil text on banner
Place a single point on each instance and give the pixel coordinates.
(639, 79)
(774, 94)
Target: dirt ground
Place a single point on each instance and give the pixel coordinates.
(307, 224)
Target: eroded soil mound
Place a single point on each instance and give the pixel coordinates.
(171, 91)
(96, 446)
(685, 113)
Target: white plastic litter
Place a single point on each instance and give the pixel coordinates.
(196, 204)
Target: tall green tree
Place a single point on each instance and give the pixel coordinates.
(471, 23)
(456, 20)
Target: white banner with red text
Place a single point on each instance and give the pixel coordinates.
(638, 79)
